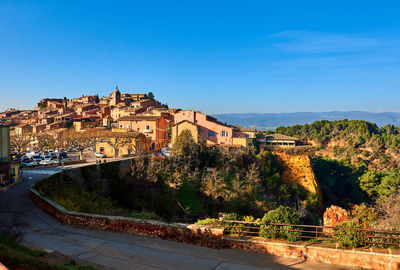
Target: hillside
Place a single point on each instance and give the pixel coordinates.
(358, 142)
(269, 121)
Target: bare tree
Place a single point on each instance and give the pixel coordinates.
(18, 143)
(119, 140)
(78, 140)
(45, 141)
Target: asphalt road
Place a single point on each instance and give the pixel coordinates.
(113, 250)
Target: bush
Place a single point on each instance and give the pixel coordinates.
(365, 214)
(143, 215)
(207, 221)
(350, 238)
(233, 227)
(281, 215)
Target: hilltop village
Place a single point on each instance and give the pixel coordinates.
(138, 114)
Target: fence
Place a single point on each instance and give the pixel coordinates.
(352, 237)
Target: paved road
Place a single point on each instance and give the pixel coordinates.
(113, 250)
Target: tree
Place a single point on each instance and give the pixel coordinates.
(65, 101)
(97, 99)
(184, 143)
(78, 140)
(118, 140)
(46, 141)
(18, 143)
(370, 181)
(389, 208)
(150, 95)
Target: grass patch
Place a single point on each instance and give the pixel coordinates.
(143, 215)
(16, 256)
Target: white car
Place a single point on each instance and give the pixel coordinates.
(45, 161)
(99, 155)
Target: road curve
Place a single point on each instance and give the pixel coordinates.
(114, 250)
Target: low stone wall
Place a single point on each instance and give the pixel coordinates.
(179, 232)
(339, 256)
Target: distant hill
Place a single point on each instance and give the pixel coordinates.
(267, 121)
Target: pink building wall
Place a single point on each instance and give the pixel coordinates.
(222, 134)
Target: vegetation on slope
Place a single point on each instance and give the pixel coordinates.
(196, 182)
(360, 142)
(357, 167)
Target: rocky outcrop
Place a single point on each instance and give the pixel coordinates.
(335, 215)
(297, 169)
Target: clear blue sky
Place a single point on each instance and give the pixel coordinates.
(216, 56)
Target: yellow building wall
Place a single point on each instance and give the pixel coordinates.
(109, 150)
(77, 126)
(245, 142)
(4, 143)
(15, 173)
(177, 129)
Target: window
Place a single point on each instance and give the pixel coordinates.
(122, 126)
(148, 127)
(246, 135)
(128, 126)
(224, 133)
(211, 133)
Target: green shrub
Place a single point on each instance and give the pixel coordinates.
(143, 215)
(350, 238)
(233, 227)
(207, 221)
(281, 215)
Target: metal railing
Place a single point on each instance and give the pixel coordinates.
(363, 236)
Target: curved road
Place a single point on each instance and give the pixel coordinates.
(113, 250)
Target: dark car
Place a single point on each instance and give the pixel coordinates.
(62, 155)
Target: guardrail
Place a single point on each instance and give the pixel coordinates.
(365, 236)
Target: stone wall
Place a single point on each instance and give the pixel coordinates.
(364, 259)
(196, 235)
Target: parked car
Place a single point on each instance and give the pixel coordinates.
(166, 152)
(25, 159)
(25, 164)
(62, 155)
(36, 158)
(45, 161)
(99, 155)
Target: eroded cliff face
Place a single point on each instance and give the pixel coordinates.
(298, 170)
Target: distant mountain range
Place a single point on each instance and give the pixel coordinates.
(268, 121)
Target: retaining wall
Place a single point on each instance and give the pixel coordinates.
(179, 232)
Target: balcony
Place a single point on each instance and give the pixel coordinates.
(147, 130)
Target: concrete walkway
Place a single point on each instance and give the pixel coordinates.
(113, 250)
